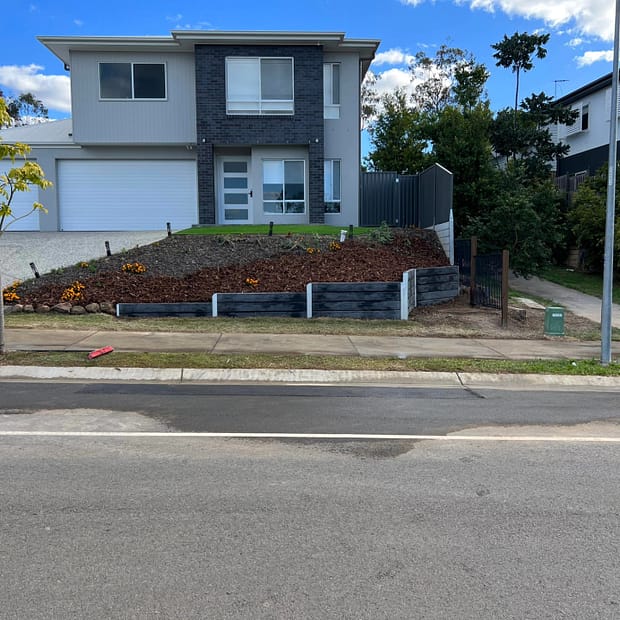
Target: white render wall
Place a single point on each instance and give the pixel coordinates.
(342, 139)
(597, 134)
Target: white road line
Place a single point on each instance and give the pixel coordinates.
(329, 436)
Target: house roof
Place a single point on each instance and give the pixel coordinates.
(185, 40)
(52, 133)
(593, 87)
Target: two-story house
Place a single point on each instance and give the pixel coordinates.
(588, 138)
(203, 127)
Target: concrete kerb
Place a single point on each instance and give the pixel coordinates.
(311, 377)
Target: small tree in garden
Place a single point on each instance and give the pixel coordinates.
(21, 178)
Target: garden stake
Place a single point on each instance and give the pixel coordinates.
(107, 249)
(350, 231)
(34, 270)
(271, 229)
(169, 229)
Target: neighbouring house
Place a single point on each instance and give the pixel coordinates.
(588, 138)
(202, 127)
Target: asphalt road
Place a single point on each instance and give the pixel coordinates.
(195, 527)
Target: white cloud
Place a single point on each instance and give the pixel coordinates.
(78, 22)
(179, 24)
(392, 57)
(589, 58)
(575, 42)
(587, 17)
(53, 90)
(392, 79)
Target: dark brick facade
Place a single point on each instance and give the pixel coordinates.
(215, 128)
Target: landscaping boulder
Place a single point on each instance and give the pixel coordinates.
(93, 308)
(62, 308)
(107, 307)
(29, 308)
(42, 309)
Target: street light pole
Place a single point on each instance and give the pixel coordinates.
(608, 271)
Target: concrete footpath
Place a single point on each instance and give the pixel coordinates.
(578, 303)
(400, 347)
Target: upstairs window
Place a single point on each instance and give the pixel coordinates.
(585, 117)
(126, 80)
(331, 90)
(259, 86)
(583, 120)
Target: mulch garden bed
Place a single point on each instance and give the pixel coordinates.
(188, 268)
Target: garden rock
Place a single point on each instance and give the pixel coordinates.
(78, 310)
(42, 309)
(62, 308)
(93, 308)
(107, 307)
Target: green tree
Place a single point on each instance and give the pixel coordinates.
(460, 138)
(21, 178)
(516, 53)
(525, 136)
(369, 98)
(22, 106)
(451, 77)
(587, 218)
(521, 216)
(397, 136)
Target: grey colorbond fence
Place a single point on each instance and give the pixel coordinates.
(360, 300)
(423, 200)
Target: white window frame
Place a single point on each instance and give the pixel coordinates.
(577, 126)
(331, 104)
(133, 97)
(284, 200)
(263, 107)
(328, 193)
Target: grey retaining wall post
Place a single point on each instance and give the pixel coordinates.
(309, 300)
(214, 304)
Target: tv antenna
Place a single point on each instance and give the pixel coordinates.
(555, 87)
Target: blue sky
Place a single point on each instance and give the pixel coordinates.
(579, 50)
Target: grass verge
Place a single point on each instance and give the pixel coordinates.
(318, 362)
(269, 325)
(588, 283)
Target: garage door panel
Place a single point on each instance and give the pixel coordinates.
(127, 195)
(22, 204)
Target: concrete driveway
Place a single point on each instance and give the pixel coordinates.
(51, 250)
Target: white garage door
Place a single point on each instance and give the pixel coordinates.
(127, 195)
(21, 204)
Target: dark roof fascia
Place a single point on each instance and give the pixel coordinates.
(593, 87)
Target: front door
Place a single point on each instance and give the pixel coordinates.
(234, 195)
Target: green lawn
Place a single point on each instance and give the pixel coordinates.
(319, 362)
(278, 229)
(589, 283)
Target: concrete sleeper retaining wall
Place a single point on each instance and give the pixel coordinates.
(359, 300)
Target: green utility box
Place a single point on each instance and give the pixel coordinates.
(554, 321)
